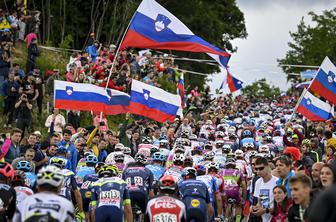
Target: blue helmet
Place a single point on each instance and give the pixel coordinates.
(200, 168)
(91, 159)
(61, 149)
(24, 165)
(157, 156)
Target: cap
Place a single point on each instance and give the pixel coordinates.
(37, 133)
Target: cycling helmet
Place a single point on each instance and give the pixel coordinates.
(163, 143)
(179, 148)
(59, 162)
(239, 154)
(226, 148)
(24, 165)
(108, 171)
(99, 165)
(189, 171)
(118, 147)
(198, 148)
(219, 144)
(140, 158)
(230, 162)
(186, 142)
(188, 161)
(209, 155)
(92, 159)
(50, 175)
(306, 142)
(213, 165)
(264, 149)
(184, 134)
(208, 146)
(157, 156)
(146, 140)
(126, 150)
(200, 169)
(247, 133)
(219, 135)
(154, 149)
(19, 177)
(7, 170)
(61, 149)
(230, 155)
(178, 157)
(167, 182)
(192, 137)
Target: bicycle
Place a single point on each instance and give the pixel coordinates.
(231, 207)
(137, 214)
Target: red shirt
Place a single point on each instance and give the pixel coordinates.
(165, 208)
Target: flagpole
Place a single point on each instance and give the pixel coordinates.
(115, 58)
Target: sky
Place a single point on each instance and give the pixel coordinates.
(268, 23)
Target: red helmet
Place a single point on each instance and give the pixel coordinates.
(167, 182)
(19, 176)
(7, 170)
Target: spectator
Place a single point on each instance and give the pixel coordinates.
(55, 121)
(102, 150)
(327, 176)
(74, 118)
(33, 53)
(29, 88)
(281, 204)
(51, 152)
(14, 149)
(103, 124)
(28, 156)
(18, 71)
(307, 152)
(23, 110)
(4, 64)
(94, 50)
(316, 172)
(32, 139)
(11, 89)
(283, 168)
(300, 186)
(40, 88)
(264, 190)
(71, 149)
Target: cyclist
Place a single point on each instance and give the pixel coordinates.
(46, 205)
(110, 200)
(166, 207)
(176, 169)
(89, 168)
(18, 183)
(197, 154)
(139, 182)
(195, 195)
(61, 153)
(233, 184)
(128, 158)
(69, 187)
(30, 177)
(7, 193)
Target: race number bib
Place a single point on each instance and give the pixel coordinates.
(111, 198)
(85, 185)
(138, 182)
(165, 217)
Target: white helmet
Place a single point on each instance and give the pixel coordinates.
(178, 157)
(264, 149)
(50, 175)
(212, 165)
(239, 154)
(119, 147)
(126, 150)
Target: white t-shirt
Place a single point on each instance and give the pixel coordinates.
(264, 192)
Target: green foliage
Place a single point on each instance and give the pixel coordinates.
(311, 44)
(261, 89)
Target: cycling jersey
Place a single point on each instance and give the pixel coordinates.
(195, 196)
(175, 171)
(138, 179)
(232, 179)
(82, 172)
(7, 202)
(85, 190)
(45, 206)
(157, 171)
(69, 184)
(211, 184)
(197, 159)
(165, 208)
(109, 196)
(22, 193)
(30, 180)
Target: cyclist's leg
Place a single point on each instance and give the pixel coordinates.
(139, 198)
(197, 209)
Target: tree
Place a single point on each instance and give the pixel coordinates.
(311, 43)
(261, 89)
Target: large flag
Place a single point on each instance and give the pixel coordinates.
(314, 109)
(153, 102)
(88, 97)
(233, 83)
(180, 89)
(155, 27)
(324, 82)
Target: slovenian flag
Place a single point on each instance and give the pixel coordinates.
(153, 102)
(155, 27)
(88, 97)
(324, 82)
(234, 84)
(313, 108)
(180, 89)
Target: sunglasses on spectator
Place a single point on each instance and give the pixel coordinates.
(259, 168)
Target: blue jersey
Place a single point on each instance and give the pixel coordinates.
(69, 184)
(157, 171)
(110, 191)
(85, 188)
(194, 189)
(138, 179)
(211, 183)
(82, 172)
(30, 180)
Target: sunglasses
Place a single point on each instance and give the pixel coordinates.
(259, 168)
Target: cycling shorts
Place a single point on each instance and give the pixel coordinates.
(139, 198)
(232, 194)
(196, 208)
(109, 213)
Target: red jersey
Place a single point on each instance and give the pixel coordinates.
(165, 208)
